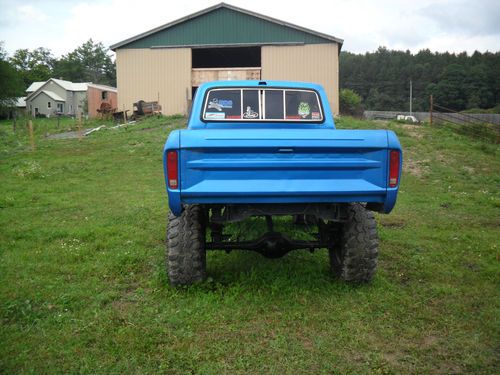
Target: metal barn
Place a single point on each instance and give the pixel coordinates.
(222, 42)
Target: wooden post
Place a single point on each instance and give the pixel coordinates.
(124, 115)
(32, 137)
(14, 118)
(58, 119)
(79, 126)
(430, 111)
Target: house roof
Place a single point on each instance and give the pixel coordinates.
(35, 86)
(71, 86)
(103, 87)
(21, 102)
(50, 94)
(67, 85)
(325, 37)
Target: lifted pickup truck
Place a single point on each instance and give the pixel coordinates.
(255, 150)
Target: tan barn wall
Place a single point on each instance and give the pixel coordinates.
(94, 100)
(143, 74)
(318, 63)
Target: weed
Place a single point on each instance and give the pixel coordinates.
(29, 169)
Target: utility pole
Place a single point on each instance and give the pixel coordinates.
(411, 96)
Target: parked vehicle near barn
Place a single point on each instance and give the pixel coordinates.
(270, 148)
(407, 118)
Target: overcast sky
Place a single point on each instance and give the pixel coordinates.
(440, 25)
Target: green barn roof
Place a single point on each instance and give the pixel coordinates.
(225, 25)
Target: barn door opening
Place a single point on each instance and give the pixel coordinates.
(225, 64)
(231, 57)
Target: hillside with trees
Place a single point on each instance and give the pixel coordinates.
(457, 81)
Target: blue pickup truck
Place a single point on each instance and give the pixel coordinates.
(256, 150)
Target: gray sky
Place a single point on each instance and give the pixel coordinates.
(440, 25)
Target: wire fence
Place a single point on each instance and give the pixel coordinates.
(472, 125)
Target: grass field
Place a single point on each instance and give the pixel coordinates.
(83, 287)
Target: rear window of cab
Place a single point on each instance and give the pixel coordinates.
(257, 104)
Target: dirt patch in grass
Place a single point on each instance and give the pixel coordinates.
(417, 168)
(392, 221)
(414, 131)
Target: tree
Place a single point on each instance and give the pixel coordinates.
(458, 81)
(90, 62)
(479, 94)
(35, 65)
(379, 101)
(350, 102)
(450, 91)
(11, 84)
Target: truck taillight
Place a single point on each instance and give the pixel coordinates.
(172, 170)
(394, 156)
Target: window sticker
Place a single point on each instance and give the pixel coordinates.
(215, 115)
(219, 104)
(315, 115)
(250, 113)
(251, 104)
(304, 109)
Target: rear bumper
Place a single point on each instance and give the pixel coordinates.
(386, 199)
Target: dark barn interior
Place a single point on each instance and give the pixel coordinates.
(234, 57)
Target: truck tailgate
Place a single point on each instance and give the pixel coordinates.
(283, 165)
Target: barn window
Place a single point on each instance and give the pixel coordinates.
(104, 95)
(49, 105)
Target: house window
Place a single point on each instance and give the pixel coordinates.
(60, 107)
(104, 95)
(49, 105)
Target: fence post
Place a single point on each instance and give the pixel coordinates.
(124, 115)
(430, 111)
(32, 137)
(79, 126)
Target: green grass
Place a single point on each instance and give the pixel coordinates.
(83, 287)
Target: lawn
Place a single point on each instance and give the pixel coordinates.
(83, 288)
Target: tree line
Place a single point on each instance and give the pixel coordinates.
(456, 81)
(380, 78)
(89, 62)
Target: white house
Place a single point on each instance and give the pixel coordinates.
(56, 96)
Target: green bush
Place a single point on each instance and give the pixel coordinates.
(350, 103)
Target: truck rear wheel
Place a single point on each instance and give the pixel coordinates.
(353, 257)
(185, 253)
